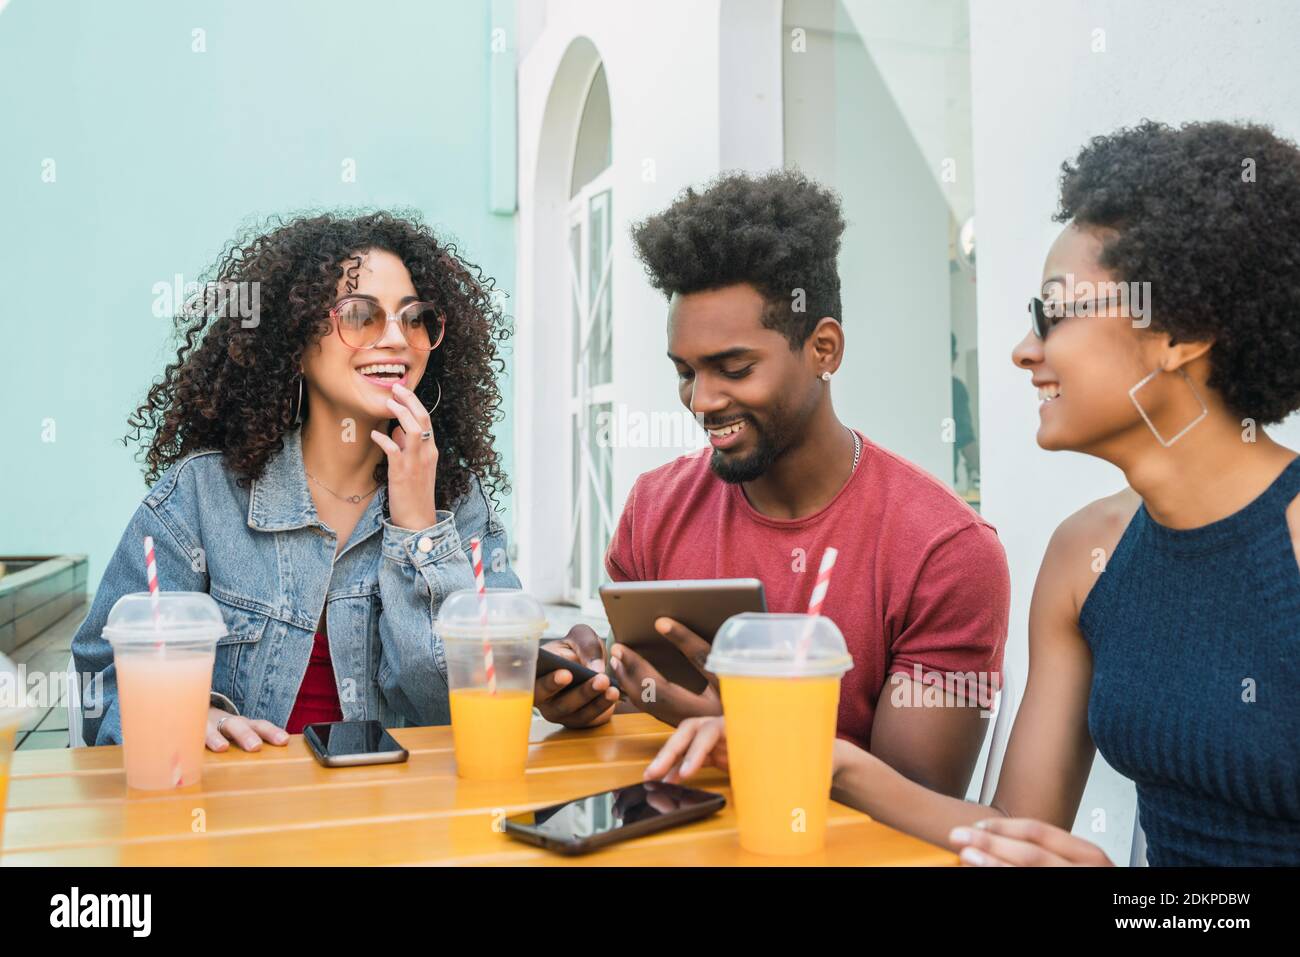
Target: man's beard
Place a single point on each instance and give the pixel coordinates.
(735, 469)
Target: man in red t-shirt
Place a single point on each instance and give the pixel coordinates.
(920, 589)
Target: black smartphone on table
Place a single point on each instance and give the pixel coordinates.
(339, 744)
(597, 820)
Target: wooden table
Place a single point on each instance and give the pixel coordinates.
(278, 806)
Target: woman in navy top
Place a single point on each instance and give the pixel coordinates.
(1164, 628)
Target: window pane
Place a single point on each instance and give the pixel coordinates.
(600, 494)
(600, 354)
(594, 150)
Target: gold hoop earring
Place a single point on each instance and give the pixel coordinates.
(1132, 394)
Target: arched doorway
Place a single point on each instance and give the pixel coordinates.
(564, 488)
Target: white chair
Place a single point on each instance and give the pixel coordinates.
(1138, 855)
(75, 740)
(1004, 710)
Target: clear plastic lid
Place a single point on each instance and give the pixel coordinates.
(511, 613)
(13, 695)
(762, 645)
(182, 616)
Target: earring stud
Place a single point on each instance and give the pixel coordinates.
(826, 377)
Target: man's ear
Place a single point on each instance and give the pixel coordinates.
(826, 345)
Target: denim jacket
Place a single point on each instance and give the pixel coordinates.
(268, 561)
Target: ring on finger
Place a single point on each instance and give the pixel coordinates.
(223, 721)
(426, 435)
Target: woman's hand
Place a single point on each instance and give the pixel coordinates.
(224, 727)
(412, 462)
(697, 743)
(1024, 842)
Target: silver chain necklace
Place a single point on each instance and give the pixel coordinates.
(354, 499)
(857, 450)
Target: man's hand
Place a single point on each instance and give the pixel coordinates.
(1023, 842)
(583, 706)
(652, 692)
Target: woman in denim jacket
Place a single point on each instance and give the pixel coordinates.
(300, 481)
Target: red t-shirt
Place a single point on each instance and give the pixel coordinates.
(920, 579)
(318, 695)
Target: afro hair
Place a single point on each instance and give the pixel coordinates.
(1209, 214)
(779, 232)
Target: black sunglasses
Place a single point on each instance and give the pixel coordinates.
(1044, 315)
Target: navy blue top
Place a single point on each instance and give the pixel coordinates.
(1195, 638)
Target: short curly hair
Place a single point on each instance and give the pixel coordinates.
(778, 232)
(233, 388)
(1209, 214)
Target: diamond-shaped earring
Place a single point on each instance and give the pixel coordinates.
(1205, 410)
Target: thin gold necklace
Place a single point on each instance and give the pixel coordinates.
(354, 499)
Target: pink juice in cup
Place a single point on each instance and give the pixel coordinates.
(163, 652)
(13, 709)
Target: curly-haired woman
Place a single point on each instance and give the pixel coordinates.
(1164, 628)
(319, 467)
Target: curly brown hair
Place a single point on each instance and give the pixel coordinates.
(233, 388)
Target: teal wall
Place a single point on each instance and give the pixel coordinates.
(161, 154)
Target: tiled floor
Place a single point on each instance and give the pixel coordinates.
(48, 652)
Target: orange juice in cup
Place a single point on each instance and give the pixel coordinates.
(780, 706)
(490, 642)
(163, 659)
(490, 731)
(13, 709)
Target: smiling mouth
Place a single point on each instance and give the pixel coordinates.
(1048, 393)
(723, 437)
(384, 374)
(723, 431)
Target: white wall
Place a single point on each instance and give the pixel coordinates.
(664, 67)
(1039, 92)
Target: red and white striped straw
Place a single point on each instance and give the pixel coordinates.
(823, 582)
(476, 549)
(151, 570)
(815, 602)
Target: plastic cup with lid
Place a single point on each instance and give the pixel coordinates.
(779, 676)
(163, 661)
(13, 711)
(491, 708)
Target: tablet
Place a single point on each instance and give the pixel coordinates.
(702, 605)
